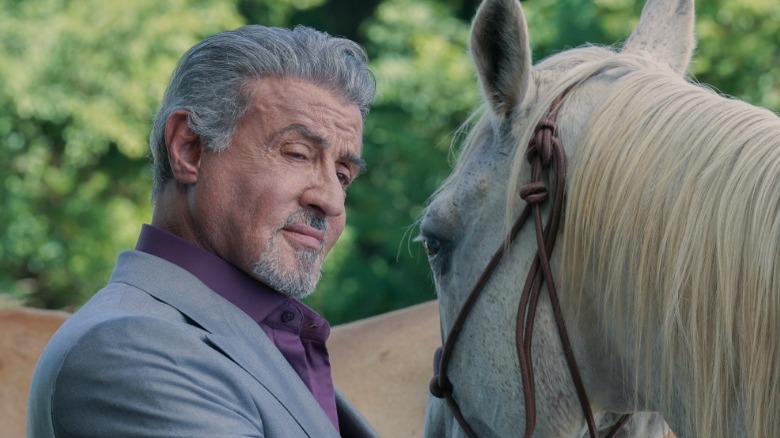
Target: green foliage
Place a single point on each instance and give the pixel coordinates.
(274, 13)
(739, 49)
(80, 81)
(426, 89)
(738, 40)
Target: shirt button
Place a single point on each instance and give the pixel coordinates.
(287, 316)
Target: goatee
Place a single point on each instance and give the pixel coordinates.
(300, 280)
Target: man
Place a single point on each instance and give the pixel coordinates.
(199, 331)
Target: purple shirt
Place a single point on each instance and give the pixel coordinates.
(296, 330)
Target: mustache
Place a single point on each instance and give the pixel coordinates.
(310, 218)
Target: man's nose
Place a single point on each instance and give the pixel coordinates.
(325, 194)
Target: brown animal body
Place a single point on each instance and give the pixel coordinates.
(23, 333)
(382, 364)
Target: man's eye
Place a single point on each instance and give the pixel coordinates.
(296, 155)
(296, 151)
(344, 178)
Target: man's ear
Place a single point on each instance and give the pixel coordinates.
(184, 148)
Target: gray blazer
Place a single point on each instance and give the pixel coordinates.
(157, 353)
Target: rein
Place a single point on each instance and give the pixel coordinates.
(547, 158)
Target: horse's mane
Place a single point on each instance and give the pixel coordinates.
(673, 227)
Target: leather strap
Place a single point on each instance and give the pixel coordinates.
(548, 161)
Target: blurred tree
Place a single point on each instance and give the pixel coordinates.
(738, 40)
(426, 89)
(80, 81)
(276, 13)
(739, 49)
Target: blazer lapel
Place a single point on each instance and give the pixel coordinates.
(231, 331)
(263, 361)
(352, 424)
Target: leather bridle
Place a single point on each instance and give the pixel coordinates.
(548, 161)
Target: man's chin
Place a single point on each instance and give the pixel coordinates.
(288, 282)
(299, 288)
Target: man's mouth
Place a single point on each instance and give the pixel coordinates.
(304, 234)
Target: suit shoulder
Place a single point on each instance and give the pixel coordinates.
(164, 372)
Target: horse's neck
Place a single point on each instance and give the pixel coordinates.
(630, 392)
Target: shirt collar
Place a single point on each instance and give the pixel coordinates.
(253, 297)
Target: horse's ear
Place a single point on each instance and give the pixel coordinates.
(501, 53)
(665, 32)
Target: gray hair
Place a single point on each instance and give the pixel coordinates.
(211, 81)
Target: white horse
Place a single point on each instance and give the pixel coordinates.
(668, 254)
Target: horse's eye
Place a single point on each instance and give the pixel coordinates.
(438, 251)
(432, 247)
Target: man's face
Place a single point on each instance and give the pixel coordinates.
(273, 203)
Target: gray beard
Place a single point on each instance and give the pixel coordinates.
(300, 280)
